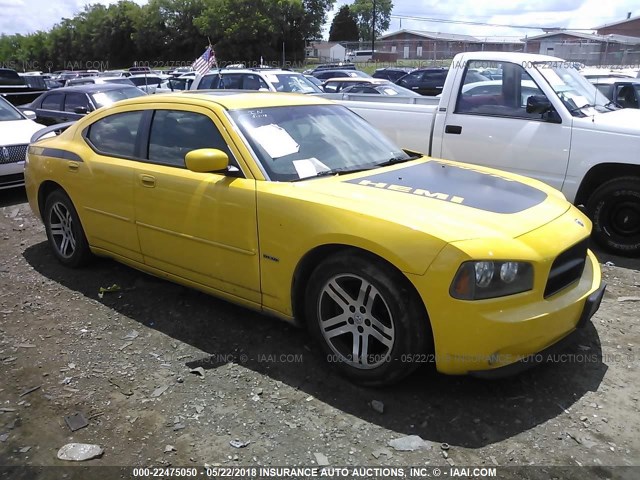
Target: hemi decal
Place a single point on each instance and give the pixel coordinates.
(463, 185)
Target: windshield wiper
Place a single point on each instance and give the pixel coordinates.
(586, 105)
(395, 160)
(334, 171)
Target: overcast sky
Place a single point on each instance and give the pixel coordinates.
(25, 16)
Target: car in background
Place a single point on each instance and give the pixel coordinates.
(72, 103)
(52, 83)
(15, 134)
(624, 92)
(392, 73)
(295, 206)
(340, 85)
(389, 89)
(99, 80)
(326, 74)
(114, 73)
(148, 83)
(177, 84)
(330, 66)
(35, 81)
(138, 70)
(316, 81)
(264, 79)
(180, 71)
(429, 81)
(15, 89)
(600, 72)
(68, 75)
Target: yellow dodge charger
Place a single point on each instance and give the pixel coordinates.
(296, 207)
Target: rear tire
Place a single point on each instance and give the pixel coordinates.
(614, 208)
(367, 317)
(64, 230)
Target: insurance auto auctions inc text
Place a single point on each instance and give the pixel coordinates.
(351, 472)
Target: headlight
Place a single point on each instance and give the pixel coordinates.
(490, 279)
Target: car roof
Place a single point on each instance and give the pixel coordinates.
(396, 69)
(430, 69)
(612, 80)
(250, 70)
(230, 99)
(93, 88)
(148, 74)
(377, 81)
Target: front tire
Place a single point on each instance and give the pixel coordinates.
(614, 208)
(367, 317)
(64, 230)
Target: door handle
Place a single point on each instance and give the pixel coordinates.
(73, 166)
(454, 129)
(147, 181)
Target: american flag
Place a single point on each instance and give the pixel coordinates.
(205, 61)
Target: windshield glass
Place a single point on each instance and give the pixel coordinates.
(291, 82)
(573, 89)
(103, 99)
(295, 142)
(7, 112)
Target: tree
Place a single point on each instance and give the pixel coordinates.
(344, 27)
(363, 10)
(247, 30)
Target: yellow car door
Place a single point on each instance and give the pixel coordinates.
(105, 197)
(198, 226)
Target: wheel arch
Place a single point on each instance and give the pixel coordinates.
(45, 189)
(315, 256)
(600, 174)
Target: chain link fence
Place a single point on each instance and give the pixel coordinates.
(429, 52)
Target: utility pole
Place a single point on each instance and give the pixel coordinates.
(373, 29)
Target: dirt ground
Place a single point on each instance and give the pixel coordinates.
(125, 362)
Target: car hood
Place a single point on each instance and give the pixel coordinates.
(16, 132)
(625, 120)
(451, 200)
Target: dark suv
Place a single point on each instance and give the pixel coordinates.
(392, 73)
(429, 81)
(425, 81)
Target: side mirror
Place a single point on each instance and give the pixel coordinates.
(538, 104)
(206, 160)
(30, 114)
(81, 110)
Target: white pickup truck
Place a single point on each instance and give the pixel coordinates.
(537, 116)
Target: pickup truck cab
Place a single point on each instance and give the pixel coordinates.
(539, 118)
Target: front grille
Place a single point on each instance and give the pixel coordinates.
(12, 153)
(567, 268)
(13, 180)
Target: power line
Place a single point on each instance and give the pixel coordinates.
(483, 24)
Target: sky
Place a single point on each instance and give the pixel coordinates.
(27, 16)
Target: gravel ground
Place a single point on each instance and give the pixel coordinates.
(168, 376)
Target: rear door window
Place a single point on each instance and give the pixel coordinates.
(115, 135)
(52, 102)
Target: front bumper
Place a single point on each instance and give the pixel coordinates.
(590, 308)
(485, 335)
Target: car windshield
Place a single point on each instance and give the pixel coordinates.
(290, 82)
(296, 142)
(103, 99)
(575, 91)
(7, 112)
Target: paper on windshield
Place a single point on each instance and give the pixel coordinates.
(275, 140)
(309, 167)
